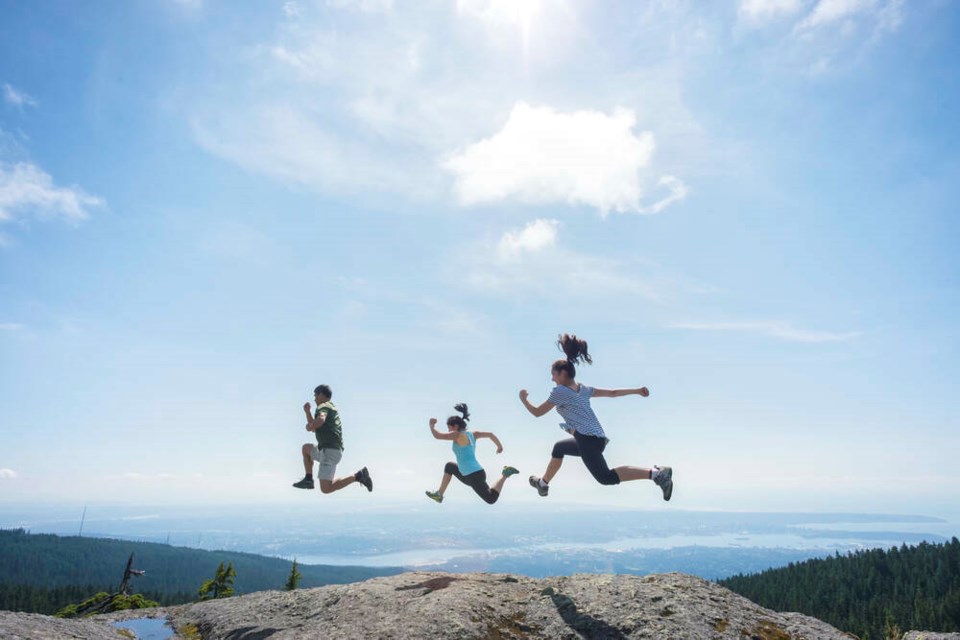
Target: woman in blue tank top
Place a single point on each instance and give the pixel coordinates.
(466, 468)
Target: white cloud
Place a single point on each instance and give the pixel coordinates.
(17, 98)
(10, 326)
(366, 106)
(544, 156)
(758, 11)
(25, 187)
(534, 237)
(774, 329)
(291, 10)
(7, 474)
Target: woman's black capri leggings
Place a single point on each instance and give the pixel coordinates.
(590, 449)
(476, 481)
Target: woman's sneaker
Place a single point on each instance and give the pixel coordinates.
(509, 471)
(542, 488)
(664, 480)
(434, 495)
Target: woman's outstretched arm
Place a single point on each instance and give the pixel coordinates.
(492, 436)
(537, 411)
(616, 393)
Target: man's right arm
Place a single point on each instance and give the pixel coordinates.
(315, 423)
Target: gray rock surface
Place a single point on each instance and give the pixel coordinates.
(930, 635)
(31, 626)
(498, 606)
(466, 606)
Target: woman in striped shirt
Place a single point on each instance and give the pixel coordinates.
(572, 401)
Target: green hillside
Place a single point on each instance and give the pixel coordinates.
(873, 594)
(34, 566)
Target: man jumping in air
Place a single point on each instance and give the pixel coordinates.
(325, 425)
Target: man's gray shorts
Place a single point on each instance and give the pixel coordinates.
(328, 459)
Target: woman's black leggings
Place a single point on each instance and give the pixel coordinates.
(476, 481)
(590, 449)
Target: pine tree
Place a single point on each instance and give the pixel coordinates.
(294, 580)
(221, 586)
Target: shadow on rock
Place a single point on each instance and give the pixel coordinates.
(584, 624)
(431, 585)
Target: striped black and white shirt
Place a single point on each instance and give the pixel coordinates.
(574, 407)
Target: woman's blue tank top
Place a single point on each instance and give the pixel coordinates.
(467, 456)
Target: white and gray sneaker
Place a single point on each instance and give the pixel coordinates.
(542, 488)
(664, 480)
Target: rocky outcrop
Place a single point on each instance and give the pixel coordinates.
(495, 607)
(465, 606)
(33, 626)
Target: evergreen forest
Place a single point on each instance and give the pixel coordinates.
(874, 594)
(41, 573)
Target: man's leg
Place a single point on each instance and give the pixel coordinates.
(309, 451)
(307, 459)
(329, 486)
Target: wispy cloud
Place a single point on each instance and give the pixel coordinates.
(17, 98)
(7, 474)
(155, 477)
(10, 326)
(831, 11)
(292, 146)
(412, 106)
(527, 260)
(774, 329)
(544, 156)
(366, 6)
(883, 16)
(760, 11)
(25, 188)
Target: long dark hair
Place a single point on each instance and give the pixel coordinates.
(459, 422)
(576, 351)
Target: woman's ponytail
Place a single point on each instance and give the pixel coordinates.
(460, 422)
(575, 350)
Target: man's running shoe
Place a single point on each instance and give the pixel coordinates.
(509, 471)
(306, 483)
(434, 495)
(363, 477)
(664, 480)
(542, 489)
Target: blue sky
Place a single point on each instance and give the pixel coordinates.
(208, 208)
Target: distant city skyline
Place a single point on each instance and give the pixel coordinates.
(208, 208)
